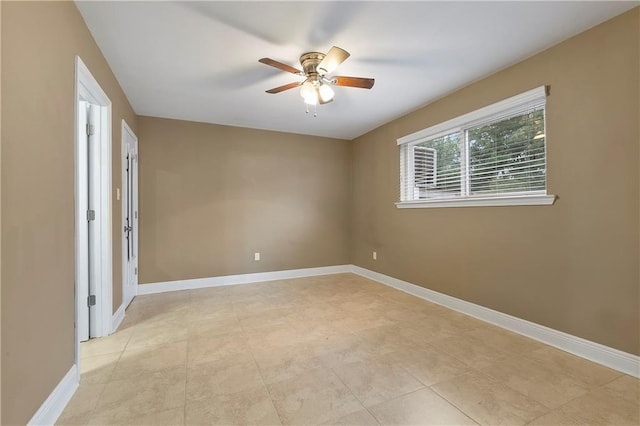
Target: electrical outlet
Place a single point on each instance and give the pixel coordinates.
(256, 256)
(375, 255)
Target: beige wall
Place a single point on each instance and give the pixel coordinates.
(211, 196)
(572, 266)
(39, 44)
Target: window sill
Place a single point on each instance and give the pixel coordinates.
(518, 200)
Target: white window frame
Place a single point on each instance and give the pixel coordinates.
(520, 103)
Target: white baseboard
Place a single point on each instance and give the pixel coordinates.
(53, 406)
(162, 287)
(613, 358)
(117, 318)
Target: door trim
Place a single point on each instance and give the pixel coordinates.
(127, 297)
(88, 89)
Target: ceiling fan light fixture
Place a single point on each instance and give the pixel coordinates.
(325, 93)
(312, 99)
(307, 90)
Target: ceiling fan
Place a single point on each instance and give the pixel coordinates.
(316, 88)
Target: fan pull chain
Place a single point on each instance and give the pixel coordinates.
(315, 109)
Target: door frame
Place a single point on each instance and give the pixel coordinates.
(88, 89)
(128, 295)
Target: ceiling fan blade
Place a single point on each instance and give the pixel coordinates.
(363, 83)
(280, 66)
(332, 59)
(283, 88)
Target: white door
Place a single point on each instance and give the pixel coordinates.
(83, 228)
(93, 225)
(88, 234)
(93, 212)
(129, 213)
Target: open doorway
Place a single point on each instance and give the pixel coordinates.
(129, 214)
(92, 208)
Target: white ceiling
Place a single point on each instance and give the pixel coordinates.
(198, 61)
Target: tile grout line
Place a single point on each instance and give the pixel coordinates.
(487, 376)
(352, 394)
(393, 399)
(186, 379)
(453, 404)
(264, 384)
(540, 363)
(577, 417)
(104, 387)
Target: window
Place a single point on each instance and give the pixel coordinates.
(493, 156)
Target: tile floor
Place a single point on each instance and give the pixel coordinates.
(336, 349)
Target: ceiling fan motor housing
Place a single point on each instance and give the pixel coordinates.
(309, 62)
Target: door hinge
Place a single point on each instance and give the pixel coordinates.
(91, 215)
(91, 129)
(135, 215)
(91, 300)
(135, 271)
